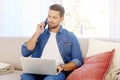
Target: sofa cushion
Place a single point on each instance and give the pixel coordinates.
(84, 45)
(11, 76)
(98, 46)
(10, 50)
(94, 67)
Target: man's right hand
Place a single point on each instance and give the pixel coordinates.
(40, 28)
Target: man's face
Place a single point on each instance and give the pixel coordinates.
(54, 19)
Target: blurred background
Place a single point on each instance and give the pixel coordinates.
(86, 18)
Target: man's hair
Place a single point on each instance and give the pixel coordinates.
(59, 8)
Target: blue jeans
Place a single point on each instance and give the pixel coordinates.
(25, 76)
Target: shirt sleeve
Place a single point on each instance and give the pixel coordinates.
(76, 53)
(77, 62)
(25, 51)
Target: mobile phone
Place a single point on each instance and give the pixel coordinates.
(46, 21)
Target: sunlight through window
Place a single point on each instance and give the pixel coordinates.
(87, 18)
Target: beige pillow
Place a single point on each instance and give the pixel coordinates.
(98, 46)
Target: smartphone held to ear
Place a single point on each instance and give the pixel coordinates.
(46, 21)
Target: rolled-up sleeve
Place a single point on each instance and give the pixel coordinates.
(77, 62)
(76, 53)
(25, 51)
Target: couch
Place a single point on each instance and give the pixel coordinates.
(10, 52)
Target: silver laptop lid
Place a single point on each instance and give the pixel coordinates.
(38, 66)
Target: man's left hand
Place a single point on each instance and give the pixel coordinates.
(60, 68)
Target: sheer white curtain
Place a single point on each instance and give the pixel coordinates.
(115, 19)
(9, 14)
(19, 17)
(103, 16)
(87, 19)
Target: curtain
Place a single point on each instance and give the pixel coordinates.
(19, 18)
(115, 19)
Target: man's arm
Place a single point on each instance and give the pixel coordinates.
(32, 41)
(76, 55)
(28, 47)
(69, 66)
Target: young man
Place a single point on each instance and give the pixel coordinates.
(53, 43)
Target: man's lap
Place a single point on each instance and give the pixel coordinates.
(25, 76)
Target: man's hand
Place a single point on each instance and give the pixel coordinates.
(60, 68)
(40, 28)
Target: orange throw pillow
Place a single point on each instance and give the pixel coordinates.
(94, 68)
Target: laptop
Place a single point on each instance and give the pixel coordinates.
(38, 66)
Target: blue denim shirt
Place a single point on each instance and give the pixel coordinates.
(67, 42)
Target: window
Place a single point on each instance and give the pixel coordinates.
(19, 18)
(87, 18)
